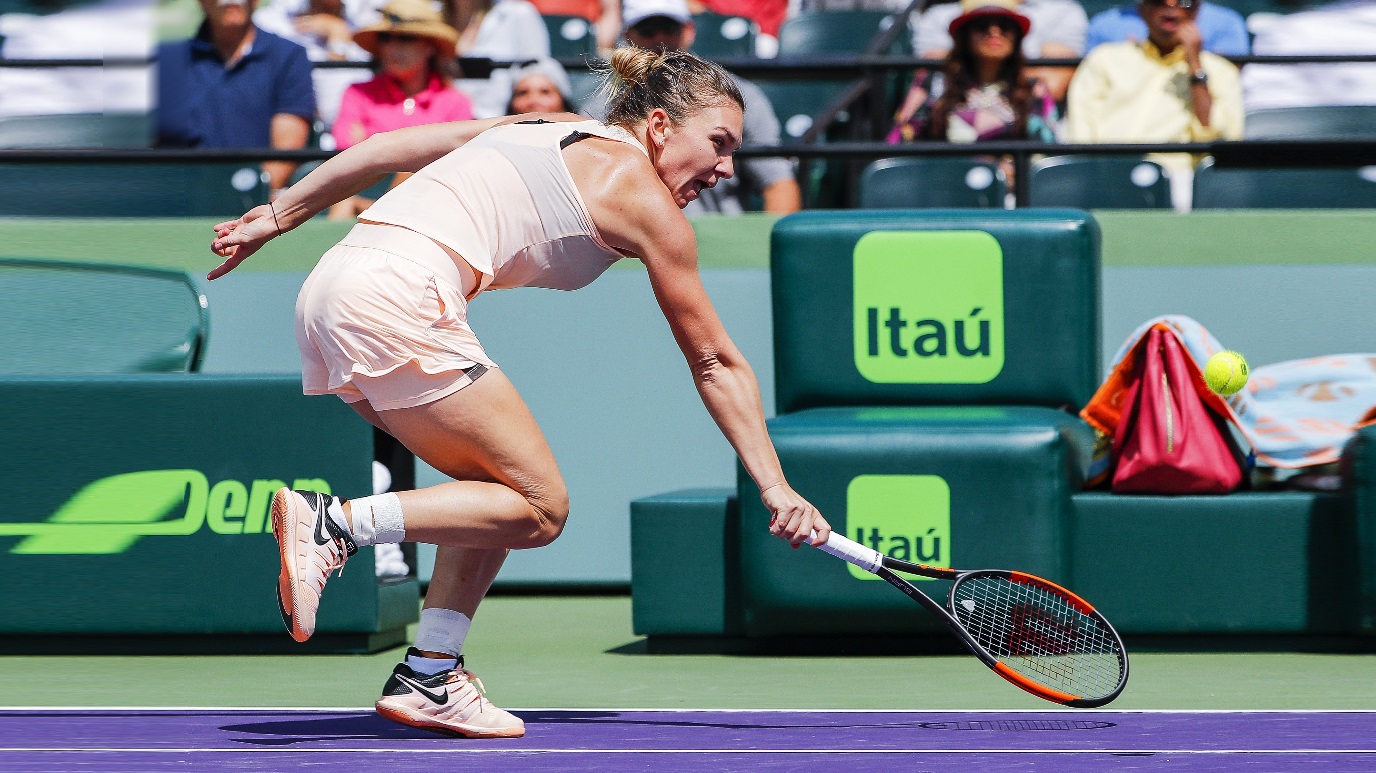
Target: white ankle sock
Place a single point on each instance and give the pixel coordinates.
(430, 666)
(335, 509)
(442, 630)
(376, 520)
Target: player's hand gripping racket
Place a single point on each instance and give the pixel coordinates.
(1030, 631)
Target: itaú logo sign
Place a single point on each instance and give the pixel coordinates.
(111, 514)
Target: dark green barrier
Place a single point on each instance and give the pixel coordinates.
(1360, 460)
(1253, 563)
(969, 487)
(139, 505)
(935, 306)
(684, 563)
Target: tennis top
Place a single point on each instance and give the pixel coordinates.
(506, 205)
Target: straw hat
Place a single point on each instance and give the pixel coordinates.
(407, 17)
(973, 9)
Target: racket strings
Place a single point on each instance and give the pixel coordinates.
(1039, 634)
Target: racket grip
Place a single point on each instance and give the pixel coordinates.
(853, 552)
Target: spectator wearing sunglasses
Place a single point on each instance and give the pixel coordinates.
(983, 92)
(1057, 32)
(1223, 29)
(1165, 89)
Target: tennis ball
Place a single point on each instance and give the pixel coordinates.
(1226, 372)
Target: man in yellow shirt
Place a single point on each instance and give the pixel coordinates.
(1166, 89)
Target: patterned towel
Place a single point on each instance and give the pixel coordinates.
(1293, 414)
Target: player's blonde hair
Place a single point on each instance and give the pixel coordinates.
(636, 81)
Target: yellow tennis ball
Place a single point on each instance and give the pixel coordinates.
(1226, 372)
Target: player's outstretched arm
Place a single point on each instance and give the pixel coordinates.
(648, 223)
(350, 172)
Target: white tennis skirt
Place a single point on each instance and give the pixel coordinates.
(383, 318)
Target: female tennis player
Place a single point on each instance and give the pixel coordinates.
(535, 200)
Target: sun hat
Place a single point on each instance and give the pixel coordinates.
(548, 68)
(974, 9)
(634, 12)
(407, 17)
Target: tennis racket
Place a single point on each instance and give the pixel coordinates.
(1030, 631)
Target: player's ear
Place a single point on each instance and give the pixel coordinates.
(658, 126)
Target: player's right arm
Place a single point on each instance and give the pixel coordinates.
(350, 172)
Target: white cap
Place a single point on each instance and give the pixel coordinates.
(634, 12)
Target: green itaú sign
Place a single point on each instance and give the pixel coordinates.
(928, 307)
(111, 514)
(907, 517)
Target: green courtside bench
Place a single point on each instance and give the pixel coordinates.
(138, 489)
(928, 369)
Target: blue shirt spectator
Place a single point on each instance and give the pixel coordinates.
(202, 103)
(1224, 30)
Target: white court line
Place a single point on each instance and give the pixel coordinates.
(490, 750)
(369, 710)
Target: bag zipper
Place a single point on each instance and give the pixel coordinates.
(1170, 418)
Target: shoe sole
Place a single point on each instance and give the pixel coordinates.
(405, 716)
(284, 527)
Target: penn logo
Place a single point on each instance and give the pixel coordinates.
(928, 307)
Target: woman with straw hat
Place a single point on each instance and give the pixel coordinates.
(410, 45)
(546, 200)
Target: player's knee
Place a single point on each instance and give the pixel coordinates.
(550, 511)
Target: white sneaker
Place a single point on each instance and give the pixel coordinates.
(452, 702)
(311, 546)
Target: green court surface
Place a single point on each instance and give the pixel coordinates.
(1131, 238)
(578, 652)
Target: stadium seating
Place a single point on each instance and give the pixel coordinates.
(111, 189)
(570, 37)
(723, 37)
(1099, 182)
(1284, 188)
(60, 318)
(921, 182)
(836, 32)
(77, 130)
(1317, 121)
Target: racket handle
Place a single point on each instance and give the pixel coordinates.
(853, 552)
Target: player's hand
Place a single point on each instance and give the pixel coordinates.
(793, 518)
(236, 240)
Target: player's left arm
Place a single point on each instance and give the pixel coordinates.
(648, 223)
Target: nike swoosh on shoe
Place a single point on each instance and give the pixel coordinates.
(439, 698)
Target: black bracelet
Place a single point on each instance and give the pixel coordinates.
(273, 210)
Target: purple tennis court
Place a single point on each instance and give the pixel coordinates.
(637, 740)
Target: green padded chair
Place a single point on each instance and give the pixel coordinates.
(1318, 121)
(1099, 182)
(98, 189)
(1284, 188)
(723, 37)
(77, 130)
(836, 32)
(570, 37)
(922, 183)
(61, 318)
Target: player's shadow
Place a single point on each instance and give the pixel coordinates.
(286, 732)
(567, 717)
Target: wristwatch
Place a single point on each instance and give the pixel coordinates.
(1199, 78)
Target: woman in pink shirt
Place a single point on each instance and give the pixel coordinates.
(410, 45)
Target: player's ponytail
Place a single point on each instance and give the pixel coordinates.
(638, 81)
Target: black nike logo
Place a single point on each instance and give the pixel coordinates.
(440, 698)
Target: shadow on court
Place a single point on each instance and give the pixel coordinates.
(286, 732)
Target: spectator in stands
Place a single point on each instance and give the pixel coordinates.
(1223, 29)
(325, 28)
(984, 92)
(1058, 32)
(1347, 27)
(410, 45)
(235, 86)
(503, 31)
(667, 24)
(768, 15)
(542, 87)
(1165, 89)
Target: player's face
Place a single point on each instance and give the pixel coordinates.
(536, 94)
(697, 153)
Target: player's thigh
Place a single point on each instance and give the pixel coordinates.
(481, 432)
